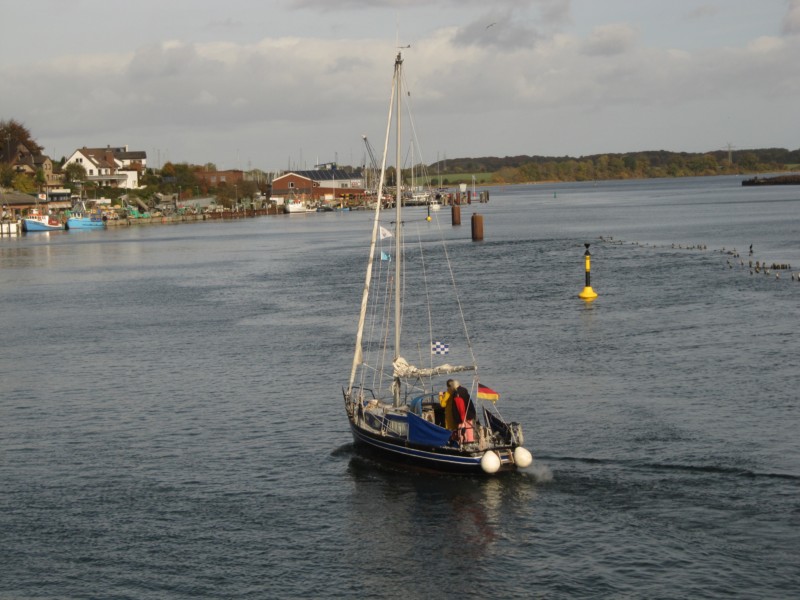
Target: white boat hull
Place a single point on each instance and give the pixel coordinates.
(294, 208)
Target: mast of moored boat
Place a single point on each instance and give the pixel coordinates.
(398, 240)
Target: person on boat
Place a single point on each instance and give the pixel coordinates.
(459, 411)
(447, 403)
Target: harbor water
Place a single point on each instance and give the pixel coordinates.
(172, 422)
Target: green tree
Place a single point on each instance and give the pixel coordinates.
(23, 183)
(676, 166)
(247, 189)
(748, 161)
(168, 170)
(616, 168)
(12, 133)
(585, 171)
(184, 174)
(225, 195)
(40, 179)
(6, 175)
(601, 166)
(149, 178)
(74, 172)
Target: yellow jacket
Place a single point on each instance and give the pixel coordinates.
(450, 421)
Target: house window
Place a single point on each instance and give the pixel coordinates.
(91, 171)
(291, 184)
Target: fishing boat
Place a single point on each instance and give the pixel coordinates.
(295, 206)
(37, 221)
(83, 219)
(398, 412)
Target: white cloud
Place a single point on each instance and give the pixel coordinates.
(703, 11)
(205, 98)
(607, 40)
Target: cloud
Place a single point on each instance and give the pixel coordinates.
(551, 9)
(608, 40)
(555, 11)
(497, 31)
(514, 25)
(225, 24)
(702, 12)
(166, 60)
(205, 98)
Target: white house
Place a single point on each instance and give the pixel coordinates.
(110, 167)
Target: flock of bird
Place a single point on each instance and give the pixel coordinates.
(754, 267)
(760, 267)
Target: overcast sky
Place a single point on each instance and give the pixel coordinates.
(273, 84)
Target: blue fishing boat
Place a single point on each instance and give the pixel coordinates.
(93, 221)
(420, 416)
(82, 219)
(37, 221)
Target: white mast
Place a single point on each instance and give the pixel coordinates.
(358, 355)
(398, 241)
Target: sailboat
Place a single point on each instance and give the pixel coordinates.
(396, 410)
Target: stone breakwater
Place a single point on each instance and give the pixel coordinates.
(779, 180)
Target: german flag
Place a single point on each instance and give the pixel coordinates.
(485, 393)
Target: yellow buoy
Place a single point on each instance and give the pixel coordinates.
(588, 294)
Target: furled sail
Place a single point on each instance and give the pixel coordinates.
(405, 370)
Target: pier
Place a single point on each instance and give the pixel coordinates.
(9, 228)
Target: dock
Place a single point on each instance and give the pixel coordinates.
(9, 228)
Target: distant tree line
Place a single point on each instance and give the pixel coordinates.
(632, 165)
(186, 178)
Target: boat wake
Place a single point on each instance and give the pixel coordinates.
(634, 464)
(344, 450)
(541, 473)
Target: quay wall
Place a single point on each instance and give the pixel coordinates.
(190, 218)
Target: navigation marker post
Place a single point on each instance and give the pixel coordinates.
(588, 294)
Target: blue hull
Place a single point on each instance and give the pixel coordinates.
(85, 223)
(398, 451)
(31, 225)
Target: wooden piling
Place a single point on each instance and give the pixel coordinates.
(455, 214)
(477, 227)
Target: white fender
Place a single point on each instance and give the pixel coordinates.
(522, 457)
(490, 463)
